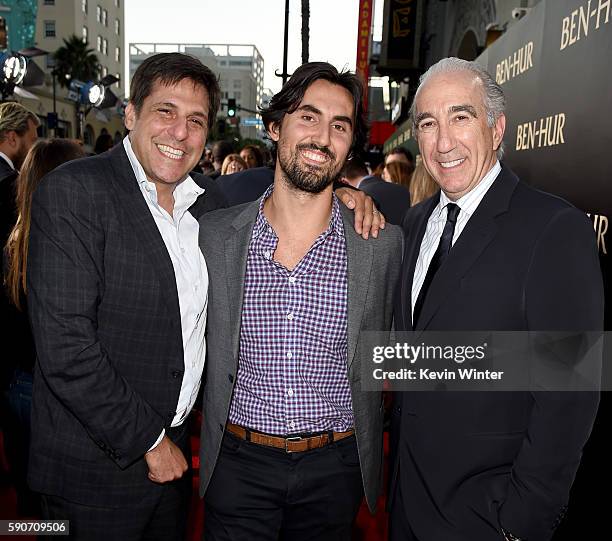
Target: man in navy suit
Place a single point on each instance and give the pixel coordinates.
(392, 199)
(487, 253)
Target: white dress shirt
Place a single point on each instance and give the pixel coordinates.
(180, 234)
(7, 159)
(435, 225)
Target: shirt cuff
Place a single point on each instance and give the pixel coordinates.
(160, 438)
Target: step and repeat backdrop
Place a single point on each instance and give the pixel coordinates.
(555, 66)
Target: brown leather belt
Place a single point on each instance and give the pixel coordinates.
(289, 445)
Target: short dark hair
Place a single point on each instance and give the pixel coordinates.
(170, 69)
(221, 150)
(291, 95)
(402, 150)
(355, 168)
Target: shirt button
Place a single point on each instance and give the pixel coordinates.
(290, 316)
(292, 424)
(267, 254)
(291, 279)
(290, 392)
(289, 355)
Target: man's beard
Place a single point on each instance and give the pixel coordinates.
(304, 177)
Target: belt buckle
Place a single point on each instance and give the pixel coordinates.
(287, 440)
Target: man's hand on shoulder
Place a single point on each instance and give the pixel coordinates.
(166, 462)
(368, 220)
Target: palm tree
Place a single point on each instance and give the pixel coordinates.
(75, 60)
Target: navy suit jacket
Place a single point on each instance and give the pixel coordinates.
(393, 200)
(245, 186)
(470, 462)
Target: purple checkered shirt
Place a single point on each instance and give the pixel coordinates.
(292, 369)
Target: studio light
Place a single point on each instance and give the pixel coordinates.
(14, 69)
(95, 94)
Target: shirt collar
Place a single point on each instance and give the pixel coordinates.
(8, 160)
(261, 223)
(469, 202)
(187, 190)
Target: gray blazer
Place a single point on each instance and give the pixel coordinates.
(373, 270)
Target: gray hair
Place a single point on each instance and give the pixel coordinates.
(493, 95)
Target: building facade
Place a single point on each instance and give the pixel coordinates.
(461, 28)
(240, 69)
(45, 24)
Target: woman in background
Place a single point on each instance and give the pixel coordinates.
(422, 186)
(232, 164)
(44, 156)
(253, 156)
(397, 172)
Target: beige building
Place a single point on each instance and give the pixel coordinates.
(101, 23)
(240, 69)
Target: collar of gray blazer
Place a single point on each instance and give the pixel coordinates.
(478, 233)
(359, 262)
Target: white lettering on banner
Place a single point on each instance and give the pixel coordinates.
(516, 64)
(600, 225)
(576, 26)
(545, 132)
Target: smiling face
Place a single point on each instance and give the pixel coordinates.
(456, 143)
(314, 140)
(169, 132)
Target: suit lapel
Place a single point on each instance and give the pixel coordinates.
(359, 265)
(477, 235)
(414, 237)
(236, 253)
(144, 227)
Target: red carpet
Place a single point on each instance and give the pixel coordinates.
(367, 528)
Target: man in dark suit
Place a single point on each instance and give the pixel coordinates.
(117, 295)
(392, 199)
(290, 441)
(17, 135)
(487, 253)
(245, 186)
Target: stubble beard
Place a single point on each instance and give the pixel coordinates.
(303, 177)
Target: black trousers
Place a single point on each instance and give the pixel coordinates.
(260, 493)
(399, 528)
(163, 519)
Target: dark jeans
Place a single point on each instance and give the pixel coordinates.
(16, 427)
(260, 493)
(162, 520)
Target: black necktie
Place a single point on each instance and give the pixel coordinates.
(444, 247)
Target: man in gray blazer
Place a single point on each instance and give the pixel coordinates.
(290, 442)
